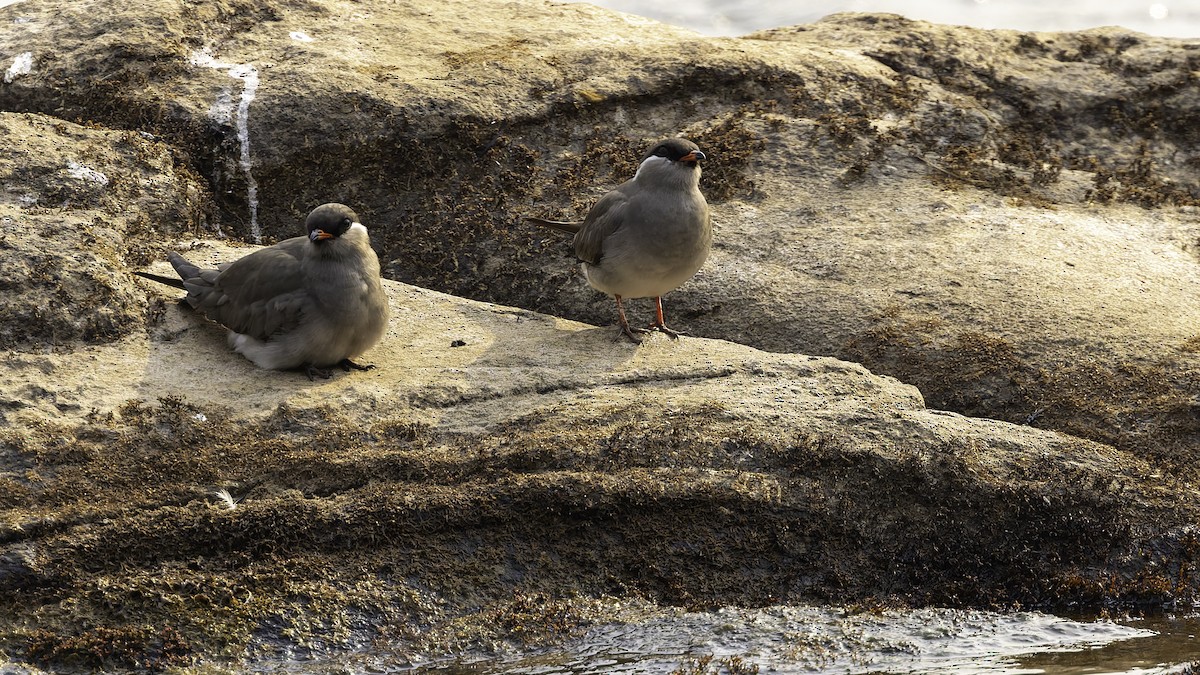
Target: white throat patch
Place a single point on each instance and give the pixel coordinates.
(648, 161)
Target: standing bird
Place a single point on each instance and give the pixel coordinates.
(307, 302)
(649, 235)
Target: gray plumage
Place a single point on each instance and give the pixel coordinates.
(308, 302)
(649, 235)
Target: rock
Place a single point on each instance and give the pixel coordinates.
(496, 451)
(942, 204)
(76, 204)
(15, 566)
(1005, 220)
(539, 456)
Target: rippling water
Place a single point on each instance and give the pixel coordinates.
(1168, 18)
(792, 640)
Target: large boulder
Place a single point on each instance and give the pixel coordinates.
(508, 477)
(503, 477)
(1006, 220)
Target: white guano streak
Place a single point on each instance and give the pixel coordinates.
(248, 75)
(22, 64)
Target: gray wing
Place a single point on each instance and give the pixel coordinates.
(606, 217)
(258, 295)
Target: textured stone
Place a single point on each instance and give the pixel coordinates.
(1005, 220)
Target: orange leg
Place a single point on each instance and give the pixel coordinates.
(660, 323)
(625, 327)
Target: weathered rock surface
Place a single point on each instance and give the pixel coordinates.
(71, 232)
(1005, 220)
(538, 457)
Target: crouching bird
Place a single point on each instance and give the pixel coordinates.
(309, 302)
(647, 236)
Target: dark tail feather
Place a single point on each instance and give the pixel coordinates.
(183, 266)
(170, 281)
(563, 226)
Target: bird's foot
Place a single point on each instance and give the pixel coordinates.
(662, 328)
(660, 323)
(347, 365)
(314, 372)
(633, 333)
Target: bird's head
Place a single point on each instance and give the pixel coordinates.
(672, 159)
(330, 221)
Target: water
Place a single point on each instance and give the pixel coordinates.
(1167, 18)
(793, 640)
(1175, 642)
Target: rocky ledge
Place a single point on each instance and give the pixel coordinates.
(1002, 225)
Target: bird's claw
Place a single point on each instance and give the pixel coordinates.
(347, 365)
(314, 372)
(632, 333)
(662, 328)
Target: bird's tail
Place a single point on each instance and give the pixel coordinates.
(563, 226)
(174, 283)
(183, 267)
